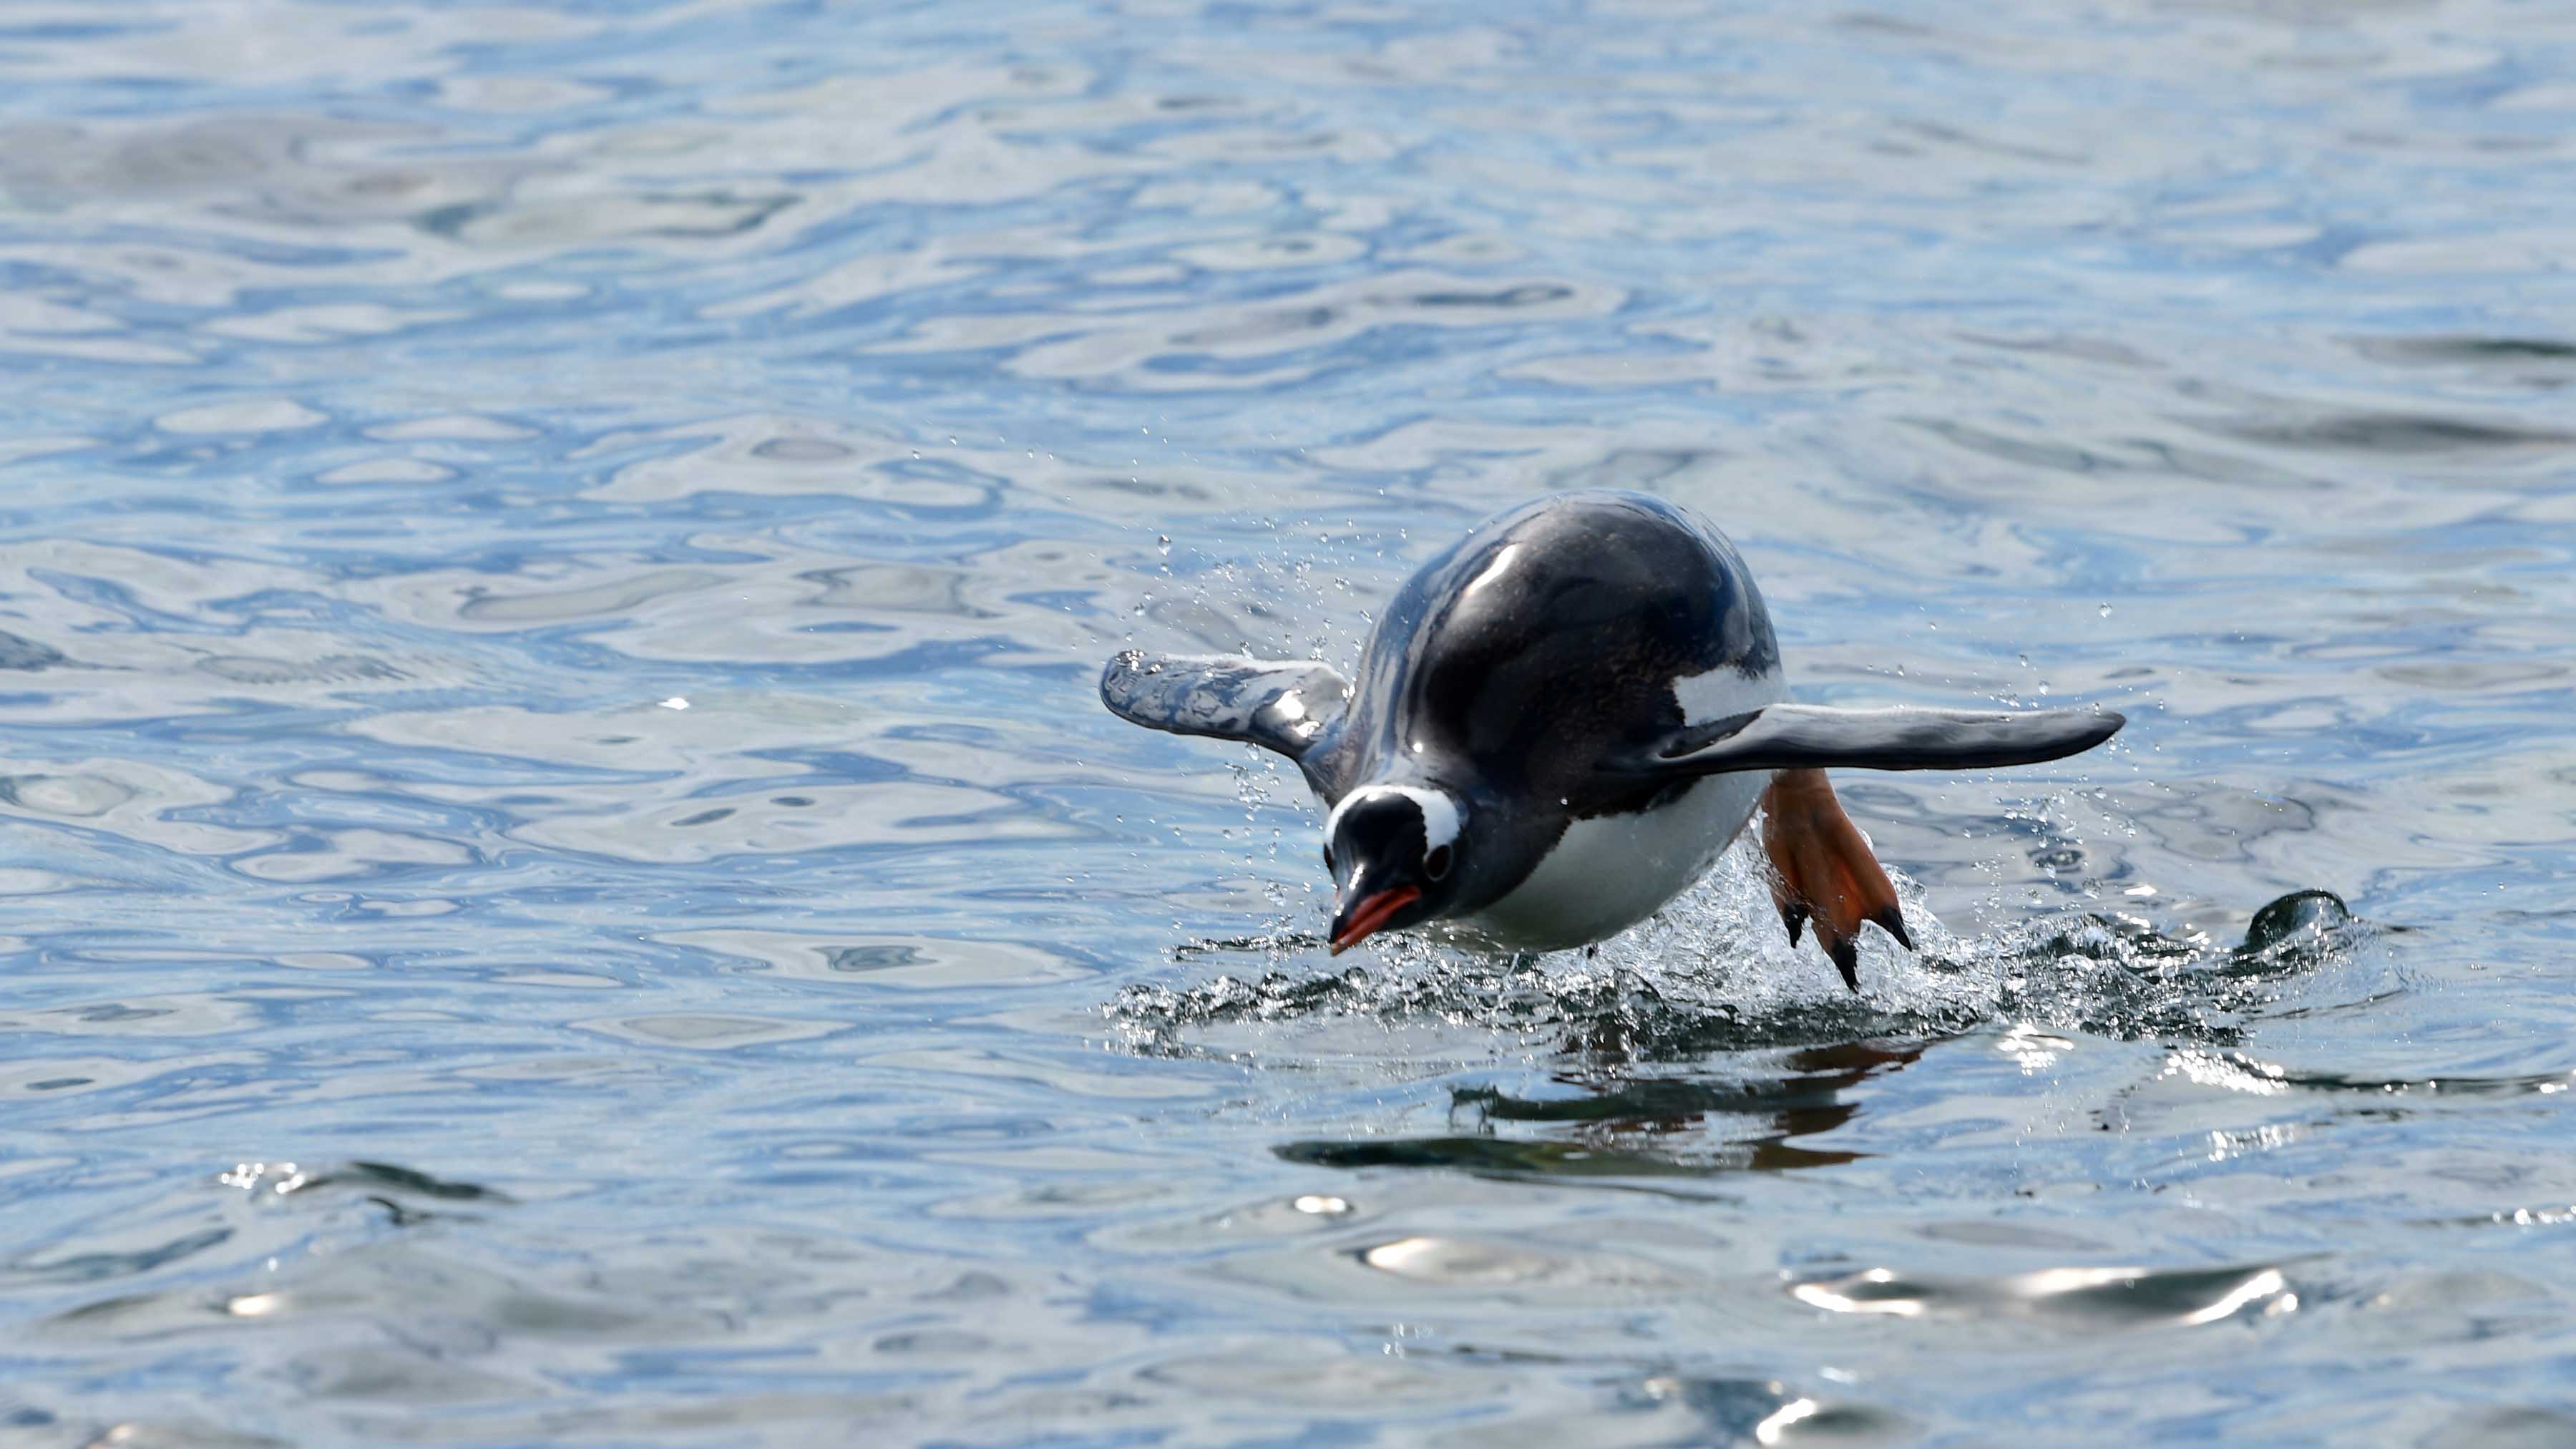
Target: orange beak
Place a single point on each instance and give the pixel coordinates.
(1371, 914)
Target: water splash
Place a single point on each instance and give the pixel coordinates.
(1714, 971)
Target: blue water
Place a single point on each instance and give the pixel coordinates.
(566, 881)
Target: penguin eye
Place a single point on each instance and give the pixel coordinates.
(1436, 864)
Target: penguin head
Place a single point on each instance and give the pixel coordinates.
(1394, 853)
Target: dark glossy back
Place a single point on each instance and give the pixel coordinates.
(1547, 637)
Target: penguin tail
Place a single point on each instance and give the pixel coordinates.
(1822, 870)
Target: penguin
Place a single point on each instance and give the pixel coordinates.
(1561, 722)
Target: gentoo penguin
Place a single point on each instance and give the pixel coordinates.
(1561, 722)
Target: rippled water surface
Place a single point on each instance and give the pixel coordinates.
(566, 881)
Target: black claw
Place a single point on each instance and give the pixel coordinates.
(1795, 918)
(1846, 954)
(1890, 921)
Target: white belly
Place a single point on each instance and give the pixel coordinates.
(1611, 872)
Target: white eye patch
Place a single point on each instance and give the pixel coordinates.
(1439, 812)
(1725, 691)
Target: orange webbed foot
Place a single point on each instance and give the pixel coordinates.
(1823, 871)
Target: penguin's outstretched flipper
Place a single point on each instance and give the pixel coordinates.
(1823, 871)
(1812, 737)
(1280, 705)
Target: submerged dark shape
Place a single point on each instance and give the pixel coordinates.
(2300, 915)
(1560, 723)
(1615, 1125)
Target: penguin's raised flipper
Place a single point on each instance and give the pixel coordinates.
(1278, 705)
(1812, 737)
